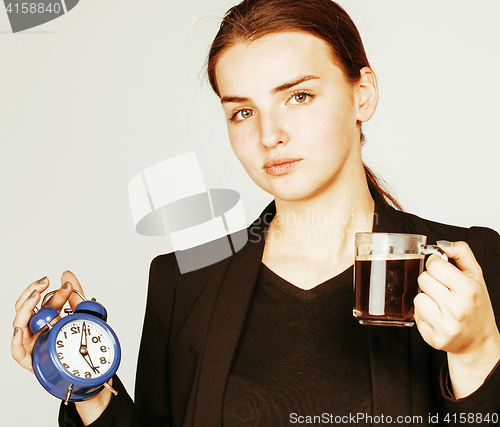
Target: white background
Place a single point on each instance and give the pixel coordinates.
(93, 98)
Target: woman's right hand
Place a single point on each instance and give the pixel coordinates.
(23, 340)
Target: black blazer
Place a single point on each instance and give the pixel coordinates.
(193, 323)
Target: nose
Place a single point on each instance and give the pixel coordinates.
(272, 132)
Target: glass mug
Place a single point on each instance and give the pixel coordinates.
(386, 269)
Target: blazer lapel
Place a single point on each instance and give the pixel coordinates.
(231, 307)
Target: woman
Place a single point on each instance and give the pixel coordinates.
(266, 337)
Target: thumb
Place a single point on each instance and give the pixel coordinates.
(463, 256)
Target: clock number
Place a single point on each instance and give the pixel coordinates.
(66, 365)
(103, 349)
(60, 355)
(103, 360)
(96, 339)
(75, 329)
(96, 369)
(65, 335)
(59, 344)
(88, 374)
(76, 373)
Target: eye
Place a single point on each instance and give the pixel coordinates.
(301, 97)
(242, 114)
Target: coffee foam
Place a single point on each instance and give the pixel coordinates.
(387, 257)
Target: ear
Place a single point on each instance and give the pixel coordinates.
(367, 89)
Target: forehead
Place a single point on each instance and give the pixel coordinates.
(272, 60)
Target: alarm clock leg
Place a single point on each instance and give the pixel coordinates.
(68, 395)
(111, 389)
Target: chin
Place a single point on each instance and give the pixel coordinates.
(301, 190)
(291, 193)
(292, 187)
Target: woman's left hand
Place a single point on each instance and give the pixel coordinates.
(454, 314)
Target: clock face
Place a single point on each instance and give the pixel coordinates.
(84, 348)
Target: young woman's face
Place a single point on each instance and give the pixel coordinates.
(292, 116)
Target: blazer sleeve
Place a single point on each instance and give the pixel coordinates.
(119, 412)
(152, 407)
(485, 401)
(152, 391)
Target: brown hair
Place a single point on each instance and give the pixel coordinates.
(252, 19)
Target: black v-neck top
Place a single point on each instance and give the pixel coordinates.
(301, 354)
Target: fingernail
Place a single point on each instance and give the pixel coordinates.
(15, 331)
(444, 243)
(66, 284)
(42, 280)
(32, 295)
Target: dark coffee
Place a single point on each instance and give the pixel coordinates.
(384, 288)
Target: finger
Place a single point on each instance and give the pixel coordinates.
(25, 311)
(463, 256)
(60, 297)
(428, 310)
(417, 316)
(39, 285)
(437, 291)
(74, 299)
(447, 274)
(426, 317)
(424, 327)
(18, 351)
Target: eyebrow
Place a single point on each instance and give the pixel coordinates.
(281, 88)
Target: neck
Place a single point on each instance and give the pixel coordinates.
(324, 226)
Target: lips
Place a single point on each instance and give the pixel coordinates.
(280, 166)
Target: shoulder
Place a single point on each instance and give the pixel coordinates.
(431, 228)
(484, 241)
(162, 263)
(162, 270)
(165, 277)
(161, 287)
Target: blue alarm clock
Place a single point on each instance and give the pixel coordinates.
(74, 358)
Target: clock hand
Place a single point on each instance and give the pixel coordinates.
(83, 348)
(87, 358)
(83, 340)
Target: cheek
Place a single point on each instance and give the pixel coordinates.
(242, 146)
(236, 142)
(321, 133)
(334, 125)
(241, 151)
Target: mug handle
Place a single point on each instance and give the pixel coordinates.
(433, 249)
